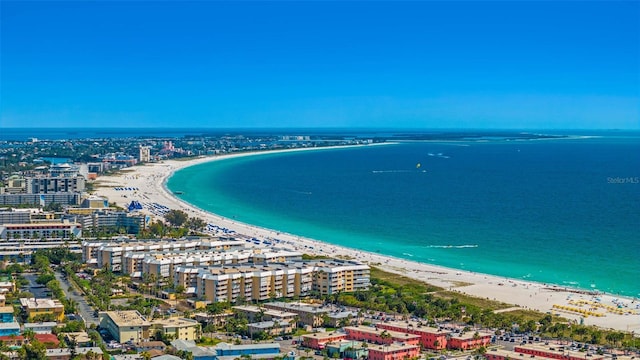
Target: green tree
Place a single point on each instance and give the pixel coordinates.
(176, 218)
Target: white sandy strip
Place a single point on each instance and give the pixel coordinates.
(150, 180)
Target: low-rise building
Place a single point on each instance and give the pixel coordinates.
(430, 338)
(257, 314)
(393, 351)
(9, 328)
(35, 308)
(150, 345)
(308, 314)
(6, 314)
(468, 340)
(178, 328)
(224, 349)
(319, 340)
(67, 354)
(80, 338)
(346, 349)
(41, 327)
(270, 327)
(380, 336)
(555, 352)
(126, 325)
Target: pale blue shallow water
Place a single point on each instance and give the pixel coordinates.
(565, 212)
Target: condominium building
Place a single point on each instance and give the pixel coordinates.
(41, 230)
(111, 254)
(15, 216)
(62, 198)
(251, 282)
(163, 265)
(333, 276)
(144, 154)
(54, 184)
(99, 220)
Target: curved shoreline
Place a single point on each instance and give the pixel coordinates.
(151, 180)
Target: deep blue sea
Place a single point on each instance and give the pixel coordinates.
(565, 212)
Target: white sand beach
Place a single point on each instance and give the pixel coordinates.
(147, 184)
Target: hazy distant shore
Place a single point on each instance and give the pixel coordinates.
(150, 180)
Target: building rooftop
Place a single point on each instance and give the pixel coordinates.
(176, 322)
(370, 330)
(78, 350)
(226, 346)
(470, 335)
(414, 326)
(391, 347)
(9, 325)
(127, 318)
(268, 324)
(33, 303)
(40, 324)
(324, 335)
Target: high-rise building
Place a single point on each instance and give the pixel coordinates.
(145, 154)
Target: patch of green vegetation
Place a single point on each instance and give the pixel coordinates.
(473, 300)
(382, 276)
(314, 257)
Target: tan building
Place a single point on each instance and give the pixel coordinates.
(178, 328)
(145, 154)
(308, 314)
(251, 282)
(132, 326)
(333, 276)
(126, 325)
(257, 314)
(34, 307)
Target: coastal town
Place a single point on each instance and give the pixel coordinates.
(101, 261)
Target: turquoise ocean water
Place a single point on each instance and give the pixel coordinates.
(565, 212)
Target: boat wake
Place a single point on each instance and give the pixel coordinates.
(390, 171)
(452, 246)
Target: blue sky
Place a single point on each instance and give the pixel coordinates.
(540, 64)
